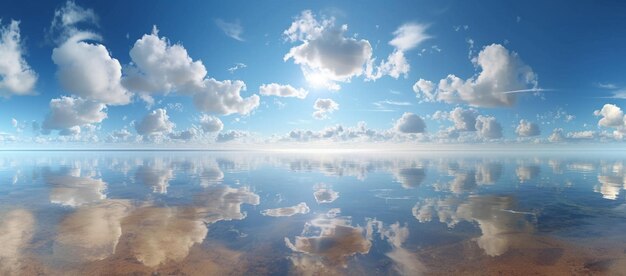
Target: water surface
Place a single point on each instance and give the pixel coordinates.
(259, 213)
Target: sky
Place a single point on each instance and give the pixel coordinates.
(214, 74)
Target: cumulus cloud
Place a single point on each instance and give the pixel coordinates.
(158, 67)
(86, 69)
(300, 208)
(585, 135)
(188, 134)
(556, 136)
(155, 122)
(211, 123)
(425, 90)
(326, 56)
(230, 135)
(503, 74)
(559, 135)
(488, 127)
(410, 123)
(279, 90)
(224, 97)
(464, 119)
(323, 107)
(527, 129)
(16, 76)
(121, 134)
(406, 37)
(394, 66)
(360, 132)
(613, 117)
(67, 113)
(233, 30)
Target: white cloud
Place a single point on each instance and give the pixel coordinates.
(612, 116)
(425, 90)
(406, 37)
(237, 66)
(279, 90)
(85, 69)
(65, 19)
(410, 123)
(230, 136)
(156, 122)
(326, 56)
(586, 134)
(16, 76)
(323, 107)
(463, 119)
(72, 131)
(224, 97)
(159, 67)
(502, 74)
(233, 30)
(300, 208)
(527, 129)
(556, 136)
(211, 123)
(69, 112)
(339, 133)
(394, 66)
(122, 134)
(188, 134)
(88, 71)
(488, 127)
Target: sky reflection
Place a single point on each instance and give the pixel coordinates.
(289, 213)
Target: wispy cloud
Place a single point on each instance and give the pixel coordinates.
(237, 66)
(384, 104)
(528, 90)
(618, 92)
(234, 30)
(607, 85)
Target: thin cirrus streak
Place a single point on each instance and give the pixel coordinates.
(528, 90)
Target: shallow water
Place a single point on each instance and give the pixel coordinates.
(257, 213)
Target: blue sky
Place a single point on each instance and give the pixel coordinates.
(158, 73)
